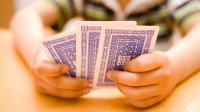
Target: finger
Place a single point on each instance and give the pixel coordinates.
(42, 89)
(65, 82)
(135, 79)
(51, 69)
(48, 89)
(145, 103)
(140, 93)
(146, 62)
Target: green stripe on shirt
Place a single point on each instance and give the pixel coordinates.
(187, 14)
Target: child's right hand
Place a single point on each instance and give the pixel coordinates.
(49, 78)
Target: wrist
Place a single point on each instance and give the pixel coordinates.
(174, 65)
(33, 57)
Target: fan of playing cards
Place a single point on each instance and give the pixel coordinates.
(98, 46)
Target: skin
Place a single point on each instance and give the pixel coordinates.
(147, 79)
(48, 76)
(150, 78)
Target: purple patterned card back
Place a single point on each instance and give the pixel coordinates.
(62, 50)
(119, 46)
(90, 40)
(89, 34)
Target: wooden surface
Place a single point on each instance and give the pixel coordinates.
(17, 92)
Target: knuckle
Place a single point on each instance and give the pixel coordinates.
(37, 69)
(75, 84)
(35, 65)
(39, 87)
(139, 62)
(134, 81)
(163, 56)
(52, 82)
(78, 85)
(58, 68)
(167, 73)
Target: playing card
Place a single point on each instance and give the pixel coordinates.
(61, 49)
(88, 33)
(118, 45)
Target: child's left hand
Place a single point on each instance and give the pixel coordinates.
(146, 80)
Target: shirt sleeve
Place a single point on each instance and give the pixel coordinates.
(65, 10)
(186, 13)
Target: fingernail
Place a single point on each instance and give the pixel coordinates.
(65, 69)
(86, 90)
(109, 74)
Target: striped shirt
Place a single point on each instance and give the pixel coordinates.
(162, 13)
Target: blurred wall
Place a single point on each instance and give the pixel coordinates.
(21, 3)
(8, 8)
(6, 12)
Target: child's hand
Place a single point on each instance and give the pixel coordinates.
(49, 79)
(146, 80)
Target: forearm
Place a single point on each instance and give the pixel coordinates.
(27, 28)
(185, 56)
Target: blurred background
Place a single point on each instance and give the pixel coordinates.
(7, 9)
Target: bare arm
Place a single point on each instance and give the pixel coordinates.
(185, 56)
(150, 78)
(28, 27)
